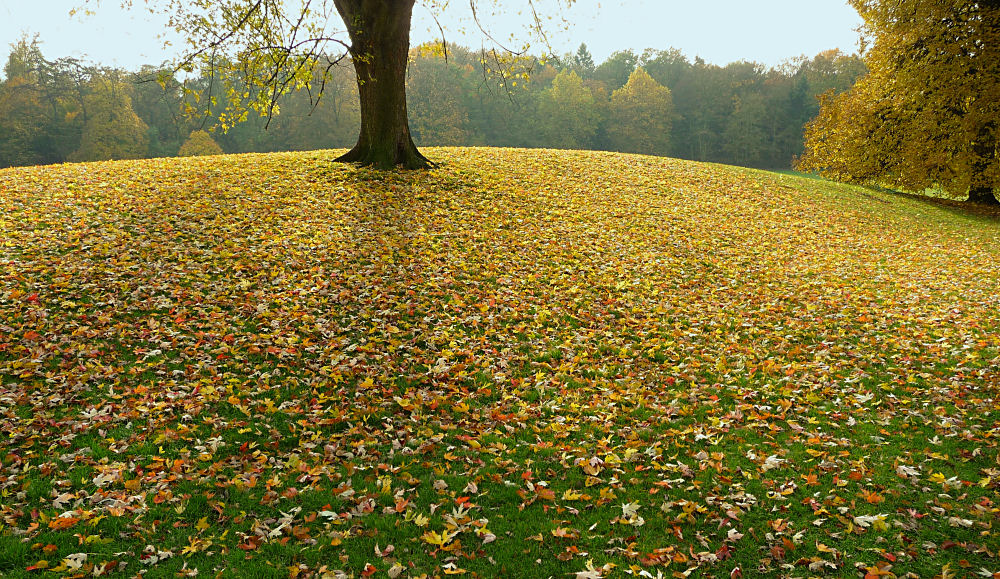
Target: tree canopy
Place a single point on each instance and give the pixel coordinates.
(926, 114)
(198, 144)
(640, 116)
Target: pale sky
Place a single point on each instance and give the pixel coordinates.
(719, 31)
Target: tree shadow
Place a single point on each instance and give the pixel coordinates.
(985, 213)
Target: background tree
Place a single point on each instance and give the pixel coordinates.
(22, 112)
(703, 101)
(158, 99)
(741, 113)
(436, 95)
(614, 71)
(41, 108)
(306, 123)
(666, 67)
(566, 114)
(639, 116)
(582, 62)
(198, 144)
(111, 130)
(745, 130)
(22, 120)
(934, 73)
(277, 50)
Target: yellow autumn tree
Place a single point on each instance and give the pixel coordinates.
(639, 116)
(567, 113)
(198, 144)
(927, 114)
(112, 129)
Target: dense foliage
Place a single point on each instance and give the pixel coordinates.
(521, 364)
(658, 102)
(199, 143)
(927, 114)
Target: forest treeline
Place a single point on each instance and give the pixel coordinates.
(658, 102)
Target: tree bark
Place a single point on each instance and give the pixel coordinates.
(380, 45)
(983, 196)
(985, 151)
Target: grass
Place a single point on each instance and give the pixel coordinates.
(522, 364)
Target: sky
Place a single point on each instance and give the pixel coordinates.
(719, 31)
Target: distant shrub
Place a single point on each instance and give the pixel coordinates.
(198, 144)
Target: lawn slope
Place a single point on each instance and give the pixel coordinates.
(520, 364)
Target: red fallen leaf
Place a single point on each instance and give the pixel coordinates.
(889, 556)
(873, 498)
(369, 570)
(33, 298)
(736, 573)
(401, 504)
(251, 543)
(32, 336)
(60, 523)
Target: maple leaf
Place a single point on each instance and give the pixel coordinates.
(439, 539)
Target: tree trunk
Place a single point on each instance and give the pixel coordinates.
(982, 196)
(380, 45)
(985, 151)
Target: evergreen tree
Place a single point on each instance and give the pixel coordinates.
(583, 62)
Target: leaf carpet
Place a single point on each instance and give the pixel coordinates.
(520, 364)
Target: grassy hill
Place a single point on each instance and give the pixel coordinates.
(520, 364)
